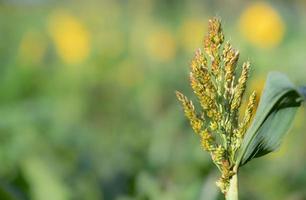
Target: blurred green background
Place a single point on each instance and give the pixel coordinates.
(87, 103)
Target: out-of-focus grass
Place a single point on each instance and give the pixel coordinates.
(87, 104)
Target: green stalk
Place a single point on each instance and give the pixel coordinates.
(232, 193)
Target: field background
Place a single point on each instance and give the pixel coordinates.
(87, 103)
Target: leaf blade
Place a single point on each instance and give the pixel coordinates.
(275, 113)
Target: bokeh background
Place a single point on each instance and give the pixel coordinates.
(87, 103)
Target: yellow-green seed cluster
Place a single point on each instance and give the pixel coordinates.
(213, 80)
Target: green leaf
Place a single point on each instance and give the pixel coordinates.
(273, 118)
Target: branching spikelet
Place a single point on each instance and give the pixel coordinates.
(220, 94)
(204, 94)
(240, 131)
(224, 181)
(189, 110)
(200, 75)
(247, 115)
(230, 59)
(207, 141)
(218, 154)
(212, 43)
(241, 86)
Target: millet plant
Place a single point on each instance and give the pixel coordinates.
(220, 84)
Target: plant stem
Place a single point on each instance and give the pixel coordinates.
(232, 193)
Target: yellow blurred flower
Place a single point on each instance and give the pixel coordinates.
(71, 38)
(32, 47)
(262, 25)
(161, 45)
(192, 33)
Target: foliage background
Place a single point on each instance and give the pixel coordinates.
(87, 104)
